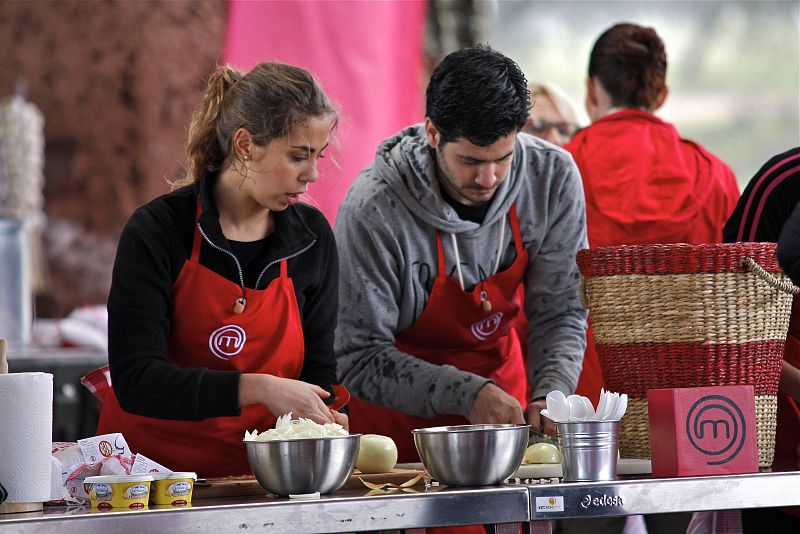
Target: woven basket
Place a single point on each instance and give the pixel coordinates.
(679, 316)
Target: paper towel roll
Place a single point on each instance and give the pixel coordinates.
(26, 420)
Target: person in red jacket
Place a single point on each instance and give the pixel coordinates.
(643, 182)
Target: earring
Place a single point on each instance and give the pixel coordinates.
(246, 157)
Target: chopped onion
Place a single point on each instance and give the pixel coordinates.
(286, 428)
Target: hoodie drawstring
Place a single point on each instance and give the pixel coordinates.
(485, 302)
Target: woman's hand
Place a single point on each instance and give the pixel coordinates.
(341, 418)
(284, 395)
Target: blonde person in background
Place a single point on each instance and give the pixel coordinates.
(553, 117)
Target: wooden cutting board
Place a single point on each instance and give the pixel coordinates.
(212, 488)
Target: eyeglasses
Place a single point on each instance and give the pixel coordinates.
(541, 127)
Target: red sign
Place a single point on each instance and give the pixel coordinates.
(703, 431)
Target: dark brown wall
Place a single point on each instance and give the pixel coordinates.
(117, 82)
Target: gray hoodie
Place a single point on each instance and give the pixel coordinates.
(385, 231)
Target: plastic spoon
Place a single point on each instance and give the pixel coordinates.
(557, 406)
(577, 409)
(588, 408)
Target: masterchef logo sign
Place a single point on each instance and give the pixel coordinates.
(227, 341)
(485, 328)
(716, 427)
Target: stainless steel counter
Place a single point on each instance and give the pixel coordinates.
(346, 511)
(500, 506)
(654, 496)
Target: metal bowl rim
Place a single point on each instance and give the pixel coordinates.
(468, 428)
(296, 440)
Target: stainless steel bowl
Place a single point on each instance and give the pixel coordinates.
(298, 466)
(472, 455)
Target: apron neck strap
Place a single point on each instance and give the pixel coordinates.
(440, 254)
(512, 214)
(197, 237)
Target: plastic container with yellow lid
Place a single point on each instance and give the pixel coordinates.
(173, 488)
(118, 491)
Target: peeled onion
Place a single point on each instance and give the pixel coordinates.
(376, 454)
(542, 453)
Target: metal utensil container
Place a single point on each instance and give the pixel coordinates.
(588, 450)
(16, 297)
(472, 455)
(301, 466)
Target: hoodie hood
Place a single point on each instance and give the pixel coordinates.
(406, 163)
(645, 184)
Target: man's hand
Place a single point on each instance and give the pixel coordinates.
(493, 405)
(537, 421)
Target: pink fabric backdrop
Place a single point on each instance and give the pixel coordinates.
(368, 57)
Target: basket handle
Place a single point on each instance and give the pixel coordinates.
(776, 282)
(583, 293)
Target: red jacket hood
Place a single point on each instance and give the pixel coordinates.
(645, 184)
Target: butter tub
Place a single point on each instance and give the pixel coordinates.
(174, 489)
(118, 491)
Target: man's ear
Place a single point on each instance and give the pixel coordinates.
(242, 144)
(432, 133)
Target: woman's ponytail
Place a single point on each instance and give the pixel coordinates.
(204, 151)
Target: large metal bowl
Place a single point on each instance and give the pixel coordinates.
(472, 455)
(299, 466)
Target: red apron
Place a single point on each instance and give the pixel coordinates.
(267, 337)
(455, 330)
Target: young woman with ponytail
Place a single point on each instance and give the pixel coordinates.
(224, 292)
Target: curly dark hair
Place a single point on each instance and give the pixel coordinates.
(477, 94)
(631, 63)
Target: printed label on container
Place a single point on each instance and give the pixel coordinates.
(138, 491)
(101, 447)
(179, 489)
(550, 504)
(102, 492)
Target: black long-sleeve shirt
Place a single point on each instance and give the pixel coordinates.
(154, 245)
(767, 201)
(789, 247)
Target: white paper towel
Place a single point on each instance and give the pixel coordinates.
(26, 435)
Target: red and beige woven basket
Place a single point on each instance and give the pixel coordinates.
(678, 316)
